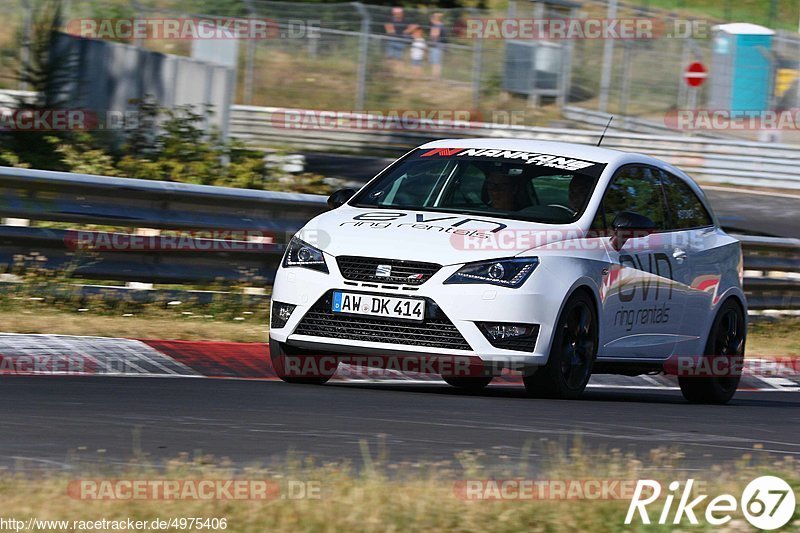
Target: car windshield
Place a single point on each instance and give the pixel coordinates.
(501, 183)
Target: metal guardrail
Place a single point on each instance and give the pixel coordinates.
(151, 259)
(772, 264)
(598, 119)
(707, 159)
(83, 198)
(262, 218)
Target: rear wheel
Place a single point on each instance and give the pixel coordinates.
(727, 339)
(294, 365)
(468, 383)
(569, 365)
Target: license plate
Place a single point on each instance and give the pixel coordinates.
(386, 306)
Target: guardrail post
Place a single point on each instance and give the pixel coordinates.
(624, 94)
(608, 61)
(25, 49)
(250, 58)
(477, 65)
(363, 55)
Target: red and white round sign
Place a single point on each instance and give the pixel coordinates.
(695, 74)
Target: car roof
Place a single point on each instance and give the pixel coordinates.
(579, 151)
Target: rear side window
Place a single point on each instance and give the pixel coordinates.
(635, 188)
(685, 208)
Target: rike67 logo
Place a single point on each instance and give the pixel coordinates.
(767, 502)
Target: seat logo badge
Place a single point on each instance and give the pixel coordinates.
(383, 271)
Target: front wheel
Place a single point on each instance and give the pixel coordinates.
(294, 365)
(569, 365)
(727, 339)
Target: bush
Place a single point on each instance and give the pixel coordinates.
(165, 144)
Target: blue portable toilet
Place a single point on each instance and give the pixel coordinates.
(741, 67)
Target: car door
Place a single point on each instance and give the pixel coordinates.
(696, 238)
(643, 302)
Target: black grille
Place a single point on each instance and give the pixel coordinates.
(405, 272)
(526, 344)
(436, 331)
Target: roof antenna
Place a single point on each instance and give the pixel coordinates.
(605, 129)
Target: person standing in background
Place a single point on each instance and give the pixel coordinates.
(418, 47)
(398, 32)
(437, 40)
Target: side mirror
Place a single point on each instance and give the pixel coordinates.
(629, 225)
(339, 198)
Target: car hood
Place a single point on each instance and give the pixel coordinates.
(430, 236)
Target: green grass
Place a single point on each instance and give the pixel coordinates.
(781, 14)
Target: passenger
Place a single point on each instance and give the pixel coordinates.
(579, 190)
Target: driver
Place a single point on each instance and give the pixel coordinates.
(500, 188)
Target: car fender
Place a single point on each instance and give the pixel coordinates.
(564, 275)
(730, 292)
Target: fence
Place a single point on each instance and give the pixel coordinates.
(334, 56)
(85, 199)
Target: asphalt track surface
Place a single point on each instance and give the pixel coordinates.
(55, 423)
(739, 210)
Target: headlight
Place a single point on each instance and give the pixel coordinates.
(301, 254)
(504, 272)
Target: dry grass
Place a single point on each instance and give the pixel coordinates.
(774, 338)
(292, 78)
(394, 497)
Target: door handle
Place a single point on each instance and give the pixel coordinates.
(679, 255)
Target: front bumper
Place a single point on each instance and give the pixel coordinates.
(536, 302)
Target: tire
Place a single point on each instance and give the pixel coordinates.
(472, 384)
(284, 358)
(727, 338)
(572, 354)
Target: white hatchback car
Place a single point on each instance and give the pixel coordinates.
(555, 259)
